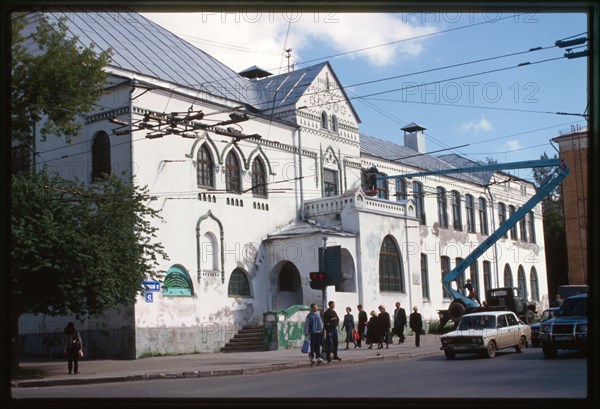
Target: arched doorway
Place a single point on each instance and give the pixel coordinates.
(348, 284)
(288, 285)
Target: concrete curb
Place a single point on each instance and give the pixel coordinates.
(206, 373)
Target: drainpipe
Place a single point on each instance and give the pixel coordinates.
(409, 283)
(302, 215)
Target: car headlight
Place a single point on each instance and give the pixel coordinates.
(582, 328)
(546, 328)
(478, 340)
(444, 341)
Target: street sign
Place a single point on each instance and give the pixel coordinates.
(149, 296)
(152, 285)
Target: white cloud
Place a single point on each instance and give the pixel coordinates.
(512, 145)
(241, 40)
(475, 127)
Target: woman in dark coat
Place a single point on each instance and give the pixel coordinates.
(362, 324)
(373, 330)
(348, 325)
(73, 346)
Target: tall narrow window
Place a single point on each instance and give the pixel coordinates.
(487, 275)
(445, 266)
(502, 216)
(382, 187)
(232, 174)
(460, 280)
(442, 207)
(474, 276)
(419, 201)
(324, 120)
(456, 212)
(330, 182)
(523, 227)
(533, 281)
(483, 222)
(424, 277)
(100, 156)
(513, 230)
(400, 189)
(521, 283)
(334, 123)
(390, 267)
(259, 178)
(508, 280)
(531, 223)
(205, 167)
(470, 208)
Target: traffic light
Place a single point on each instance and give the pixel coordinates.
(318, 280)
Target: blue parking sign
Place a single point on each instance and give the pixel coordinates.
(149, 296)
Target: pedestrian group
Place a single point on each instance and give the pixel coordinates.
(321, 328)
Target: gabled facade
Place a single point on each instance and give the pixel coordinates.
(243, 219)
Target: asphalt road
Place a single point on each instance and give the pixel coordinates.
(508, 376)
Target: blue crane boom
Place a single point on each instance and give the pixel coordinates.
(554, 179)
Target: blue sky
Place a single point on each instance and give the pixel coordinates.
(508, 114)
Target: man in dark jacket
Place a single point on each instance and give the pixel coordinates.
(399, 322)
(416, 324)
(362, 323)
(331, 322)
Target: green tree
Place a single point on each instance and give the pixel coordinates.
(554, 231)
(53, 79)
(79, 249)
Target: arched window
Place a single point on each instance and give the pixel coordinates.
(487, 275)
(232, 173)
(460, 280)
(238, 284)
(535, 287)
(470, 208)
(474, 275)
(391, 277)
(400, 189)
(289, 278)
(100, 156)
(442, 207)
(456, 211)
(521, 283)
(334, 123)
(502, 216)
(483, 222)
(177, 282)
(259, 178)
(418, 197)
(508, 280)
(205, 167)
(324, 120)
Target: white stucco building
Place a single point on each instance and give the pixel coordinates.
(243, 219)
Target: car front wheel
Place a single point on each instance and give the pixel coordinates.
(490, 352)
(520, 347)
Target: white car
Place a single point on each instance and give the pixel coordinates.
(485, 333)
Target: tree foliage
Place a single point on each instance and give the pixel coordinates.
(80, 248)
(554, 230)
(54, 79)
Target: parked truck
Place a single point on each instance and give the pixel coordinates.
(497, 298)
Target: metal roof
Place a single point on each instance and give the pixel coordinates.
(142, 46)
(400, 154)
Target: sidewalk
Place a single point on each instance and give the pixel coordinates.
(215, 364)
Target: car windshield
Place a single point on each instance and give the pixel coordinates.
(546, 315)
(477, 322)
(576, 306)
